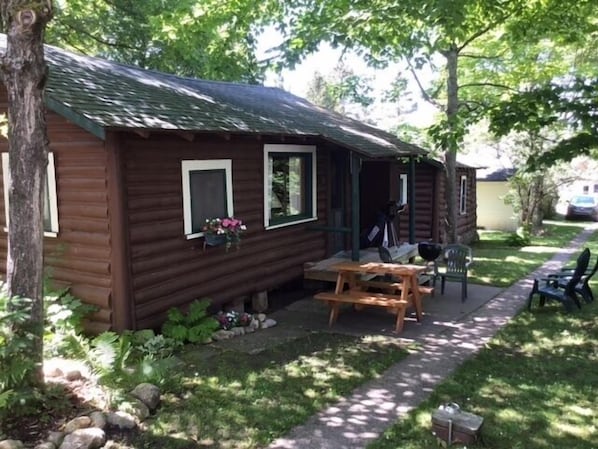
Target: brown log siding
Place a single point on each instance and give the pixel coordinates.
(80, 256)
(466, 223)
(167, 269)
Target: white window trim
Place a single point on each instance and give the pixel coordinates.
(195, 165)
(463, 195)
(282, 148)
(53, 197)
(403, 188)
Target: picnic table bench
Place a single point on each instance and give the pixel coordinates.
(396, 297)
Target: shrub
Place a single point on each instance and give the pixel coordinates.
(520, 238)
(194, 326)
(16, 398)
(64, 315)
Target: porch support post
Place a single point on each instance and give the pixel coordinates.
(355, 169)
(411, 200)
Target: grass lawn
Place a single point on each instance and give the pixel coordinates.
(535, 384)
(500, 265)
(237, 400)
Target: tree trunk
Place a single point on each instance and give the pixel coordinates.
(450, 145)
(24, 74)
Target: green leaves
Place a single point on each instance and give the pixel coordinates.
(213, 39)
(572, 103)
(194, 326)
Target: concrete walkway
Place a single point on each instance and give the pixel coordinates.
(361, 418)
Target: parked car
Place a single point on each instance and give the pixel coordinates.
(583, 206)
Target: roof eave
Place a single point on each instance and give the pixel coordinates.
(78, 119)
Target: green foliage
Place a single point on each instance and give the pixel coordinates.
(340, 91)
(15, 359)
(573, 104)
(158, 347)
(122, 361)
(212, 39)
(64, 315)
(519, 239)
(194, 326)
(4, 126)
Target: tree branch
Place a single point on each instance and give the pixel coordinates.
(424, 94)
(472, 56)
(98, 39)
(483, 31)
(496, 85)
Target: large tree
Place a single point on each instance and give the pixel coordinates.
(212, 39)
(24, 74)
(442, 34)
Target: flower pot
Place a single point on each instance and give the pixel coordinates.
(214, 239)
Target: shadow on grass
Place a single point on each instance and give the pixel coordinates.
(534, 384)
(238, 400)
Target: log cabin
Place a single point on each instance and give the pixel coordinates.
(139, 159)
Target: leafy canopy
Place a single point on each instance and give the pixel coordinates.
(212, 39)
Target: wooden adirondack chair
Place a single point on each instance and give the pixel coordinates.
(551, 288)
(583, 287)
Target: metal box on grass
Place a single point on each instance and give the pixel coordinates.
(452, 425)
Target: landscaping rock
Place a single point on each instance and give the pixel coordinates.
(136, 408)
(56, 438)
(46, 445)
(148, 394)
(73, 375)
(52, 371)
(98, 419)
(92, 438)
(222, 334)
(11, 444)
(268, 323)
(80, 422)
(255, 324)
(121, 420)
(261, 317)
(238, 331)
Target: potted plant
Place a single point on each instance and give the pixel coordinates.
(223, 231)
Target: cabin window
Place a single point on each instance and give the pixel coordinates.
(50, 212)
(586, 189)
(463, 195)
(207, 193)
(403, 188)
(289, 185)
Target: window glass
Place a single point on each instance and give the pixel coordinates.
(207, 193)
(463, 195)
(47, 215)
(289, 184)
(403, 188)
(50, 206)
(208, 196)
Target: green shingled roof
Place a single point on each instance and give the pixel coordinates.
(99, 95)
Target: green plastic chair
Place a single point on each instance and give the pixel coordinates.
(453, 264)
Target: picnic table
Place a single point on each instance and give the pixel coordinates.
(396, 295)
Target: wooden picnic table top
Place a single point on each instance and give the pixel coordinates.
(379, 268)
